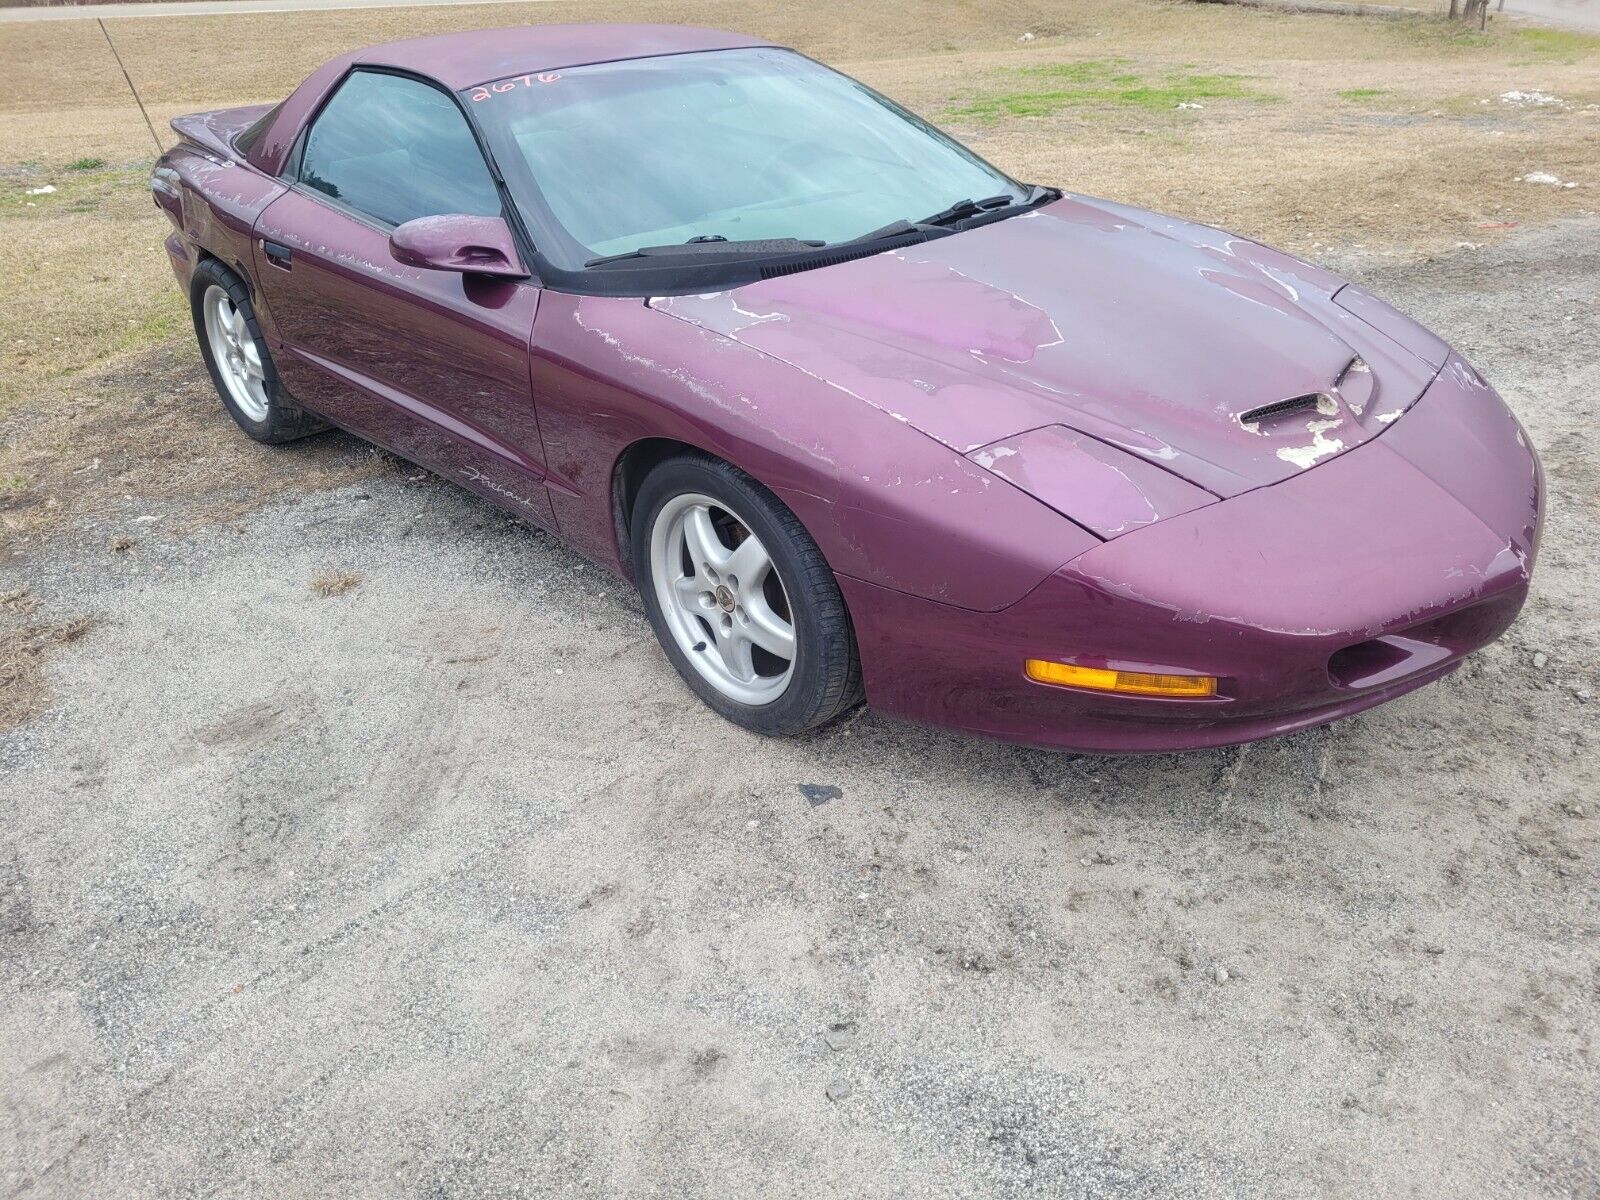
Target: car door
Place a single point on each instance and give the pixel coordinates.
(431, 364)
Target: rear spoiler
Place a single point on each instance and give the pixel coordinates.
(216, 130)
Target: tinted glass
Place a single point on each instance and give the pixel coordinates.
(736, 143)
(396, 149)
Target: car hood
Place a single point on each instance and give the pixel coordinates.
(1154, 336)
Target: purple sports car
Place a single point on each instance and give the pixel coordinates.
(862, 416)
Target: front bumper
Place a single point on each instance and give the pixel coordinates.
(1352, 583)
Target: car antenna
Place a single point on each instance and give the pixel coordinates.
(160, 149)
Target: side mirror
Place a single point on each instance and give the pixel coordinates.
(458, 242)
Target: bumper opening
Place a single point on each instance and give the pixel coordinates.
(1385, 660)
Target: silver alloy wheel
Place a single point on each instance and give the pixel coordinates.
(238, 360)
(722, 598)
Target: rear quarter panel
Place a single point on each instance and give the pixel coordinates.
(213, 203)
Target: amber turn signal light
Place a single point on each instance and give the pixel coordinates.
(1128, 683)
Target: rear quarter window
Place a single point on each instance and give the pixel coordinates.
(246, 141)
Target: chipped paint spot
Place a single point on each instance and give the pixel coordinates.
(693, 384)
(987, 458)
(1273, 274)
(1355, 387)
(1321, 445)
(755, 318)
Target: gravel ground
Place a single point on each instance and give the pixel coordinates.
(443, 885)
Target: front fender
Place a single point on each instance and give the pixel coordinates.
(884, 502)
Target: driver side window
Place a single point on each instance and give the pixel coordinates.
(396, 149)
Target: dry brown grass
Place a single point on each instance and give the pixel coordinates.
(23, 651)
(1389, 134)
(1373, 132)
(21, 601)
(82, 277)
(146, 425)
(329, 584)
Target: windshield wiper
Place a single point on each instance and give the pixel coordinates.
(962, 209)
(705, 249)
(892, 230)
(711, 248)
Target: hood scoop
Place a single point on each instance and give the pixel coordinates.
(1206, 356)
(1278, 408)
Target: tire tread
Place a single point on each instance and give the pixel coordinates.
(842, 687)
(286, 420)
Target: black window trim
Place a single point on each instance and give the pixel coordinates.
(646, 280)
(289, 173)
(680, 278)
(245, 141)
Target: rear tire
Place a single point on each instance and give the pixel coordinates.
(741, 599)
(236, 356)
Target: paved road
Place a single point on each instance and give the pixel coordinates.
(1577, 14)
(215, 8)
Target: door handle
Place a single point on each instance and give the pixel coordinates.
(278, 255)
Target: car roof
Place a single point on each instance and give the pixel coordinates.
(463, 60)
(460, 60)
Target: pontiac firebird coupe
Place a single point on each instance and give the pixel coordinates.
(861, 415)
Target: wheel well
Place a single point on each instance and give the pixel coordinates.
(235, 269)
(200, 257)
(636, 462)
(632, 467)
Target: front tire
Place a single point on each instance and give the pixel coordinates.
(741, 599)
(236, 356)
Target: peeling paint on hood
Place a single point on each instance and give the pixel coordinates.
(1143, 332)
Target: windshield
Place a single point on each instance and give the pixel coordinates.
(735, 144)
